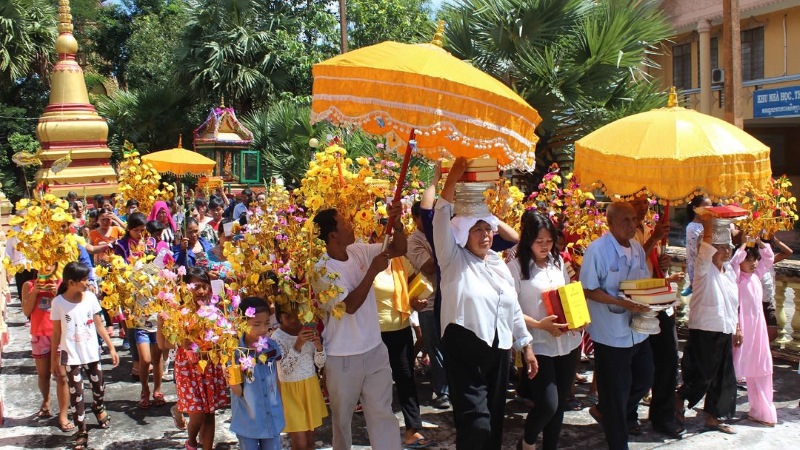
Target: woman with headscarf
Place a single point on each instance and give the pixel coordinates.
(161, 213)
(481, 319)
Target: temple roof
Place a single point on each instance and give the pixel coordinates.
(222, 130)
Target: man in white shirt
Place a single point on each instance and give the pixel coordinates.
(358, 362)
(713, 319)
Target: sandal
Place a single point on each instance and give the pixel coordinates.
(65, 427)
(103, 418)
(419, 443)
(188, 447)
(719, 426)
(44, 413)
(81, 441)
(158, 399)
(144, 401)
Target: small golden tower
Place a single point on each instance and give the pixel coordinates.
(71, 126)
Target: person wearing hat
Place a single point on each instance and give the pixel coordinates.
(707, 363)
(480, 318)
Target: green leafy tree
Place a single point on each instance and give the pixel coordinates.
(374, 21)
(27, 34)
(155, 37)
(580, 63)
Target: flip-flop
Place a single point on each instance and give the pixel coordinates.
(66, 427)
(419, 443)
(43, 414)
(721, 427)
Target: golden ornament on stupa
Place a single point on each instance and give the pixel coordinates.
(70, 131)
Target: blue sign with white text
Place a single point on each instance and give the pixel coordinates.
(781, 102)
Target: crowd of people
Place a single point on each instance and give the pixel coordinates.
(484, 307)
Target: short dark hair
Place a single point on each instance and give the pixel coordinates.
(416, 209)
(98, 200)
(198, 202)
(326, 221)
(132, 202)
(154, 227)
(752, 253)
(257, 303)
(247, 192)
(215, 203)
(196, 273)
(136, 220)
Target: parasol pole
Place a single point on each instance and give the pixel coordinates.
(398, 191)
(666, 219)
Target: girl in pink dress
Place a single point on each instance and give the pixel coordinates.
(752, 358)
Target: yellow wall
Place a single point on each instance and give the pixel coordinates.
(773, 56)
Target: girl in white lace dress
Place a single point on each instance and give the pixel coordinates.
(303, 406)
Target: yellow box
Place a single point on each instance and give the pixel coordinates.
(419, 287)
(576, 311)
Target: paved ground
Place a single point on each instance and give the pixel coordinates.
(134, 429)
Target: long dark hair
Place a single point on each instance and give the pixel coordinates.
(695, 203)
(196, 273)
(532, 223)
(75, 271)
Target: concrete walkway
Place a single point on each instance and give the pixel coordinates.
(135, 429)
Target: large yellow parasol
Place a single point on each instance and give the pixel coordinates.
(455, 109)
(180, 161)
(673, 153)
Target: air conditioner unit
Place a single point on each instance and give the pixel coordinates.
(717, 76)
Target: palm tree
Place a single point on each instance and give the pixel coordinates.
(580, 63)
(27, 35)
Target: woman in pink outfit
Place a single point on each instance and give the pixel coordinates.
(752, 358)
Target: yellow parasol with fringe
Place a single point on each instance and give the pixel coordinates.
(672, 153)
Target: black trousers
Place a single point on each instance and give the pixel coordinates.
(478, 376)
(624, 375)
(400, 344)
(708, 370)
(549, 390)
(665, 379)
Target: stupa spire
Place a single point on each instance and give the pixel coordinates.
(71, 126)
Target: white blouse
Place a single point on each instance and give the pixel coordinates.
(477, 294)
(530, 292)
(294, 365)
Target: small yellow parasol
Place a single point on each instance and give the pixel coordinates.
(672, 153)
(180, 161)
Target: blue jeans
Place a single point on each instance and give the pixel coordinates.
(433, 346)
(246, 443)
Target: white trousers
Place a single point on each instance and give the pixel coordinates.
(366, 377)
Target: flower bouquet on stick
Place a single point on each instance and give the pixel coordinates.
(138, 180)
(43, 235)
(771, 208)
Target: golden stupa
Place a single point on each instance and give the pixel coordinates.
(70, 126)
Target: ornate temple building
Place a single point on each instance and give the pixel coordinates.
(70, 128)
(225, 140)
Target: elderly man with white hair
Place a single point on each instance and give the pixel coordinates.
(623, 357)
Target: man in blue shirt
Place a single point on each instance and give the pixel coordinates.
(623, 357)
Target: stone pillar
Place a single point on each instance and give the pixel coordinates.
(783, 338)
(704, 28)
(794, 344)
(732, 62)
